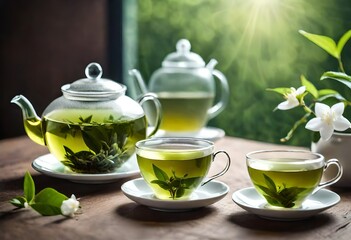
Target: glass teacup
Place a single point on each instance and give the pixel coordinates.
(175, 167)
(286, 178)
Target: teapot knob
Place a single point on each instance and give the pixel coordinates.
(183, 46)
(93, 71)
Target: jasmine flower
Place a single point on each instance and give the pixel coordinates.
(69, 206)
(328, 119)
(292, 98)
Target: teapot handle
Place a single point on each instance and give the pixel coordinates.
(157, 121)
(223, 100)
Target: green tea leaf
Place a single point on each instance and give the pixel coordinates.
(18, 201)
(161, 184)
(159, 173)
(86, 120)
(269, 182)
(309, 86)
(324, 42)
(188, 182)
(179, 192)
(280, 196)
(343, 40)
(28, 187)
(92, 138)
(338, 76)
(48, 202)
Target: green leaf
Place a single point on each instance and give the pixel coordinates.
(337, 96)
(282, 90)
(269, 182)
(324, 92)
(324, 42)
(162, 184)
(94, 136)
(159, 173)
(28, 187)
(309, 86)
(18, 201)
(338, 76)
(343, 40)
(179, 192)
(86, 120)
(48, 202)
(188, 182)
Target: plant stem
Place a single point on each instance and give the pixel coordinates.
(341, 66)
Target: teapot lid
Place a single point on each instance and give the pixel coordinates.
(93, 88)
(183, 58)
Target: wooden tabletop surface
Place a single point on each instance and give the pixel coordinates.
(107, 213)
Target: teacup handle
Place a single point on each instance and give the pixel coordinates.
(332, 161)
(221, 172)
(153, 98)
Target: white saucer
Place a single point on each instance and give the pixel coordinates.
(208, 133)
(251, 201)
(49, 165)
(138, 191)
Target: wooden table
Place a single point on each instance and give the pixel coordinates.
(107, 214)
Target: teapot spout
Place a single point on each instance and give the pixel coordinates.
(32, 123)
(140, 84)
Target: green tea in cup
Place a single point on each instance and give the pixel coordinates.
(175, 167)
(286, 178)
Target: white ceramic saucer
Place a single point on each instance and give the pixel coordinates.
(49, 165)
(251, 201)
(138, 191)
(208, 133)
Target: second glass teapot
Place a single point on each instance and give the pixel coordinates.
(186, 88)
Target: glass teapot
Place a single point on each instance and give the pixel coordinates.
(186, 88)
(93, 127)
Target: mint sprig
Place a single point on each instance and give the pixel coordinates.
(47, 202)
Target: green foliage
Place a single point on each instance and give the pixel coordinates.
(47, 202)
(175, 185)
(256, 45)
(107, 144)
(280, 195)
(323, 95)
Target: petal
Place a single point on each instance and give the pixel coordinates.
(315, 124)
(338, 109)
(300, 90)
(326, 132)
(321, 108)
(341, 124)
(286, 105)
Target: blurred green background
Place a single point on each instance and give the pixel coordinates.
(257, 45)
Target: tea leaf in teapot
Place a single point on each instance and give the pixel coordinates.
(176, 186)
(94, 136)
(86, 120)
(281, 195)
